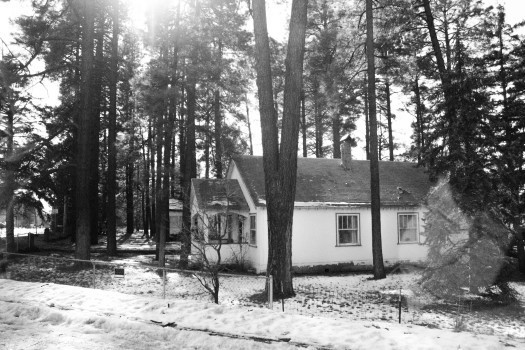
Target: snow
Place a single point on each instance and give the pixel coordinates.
(52, 316)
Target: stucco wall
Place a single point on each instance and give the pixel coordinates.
(315, 240)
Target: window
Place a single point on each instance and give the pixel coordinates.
(215, 228)
(407, 228)
(253, 230)
(241, 229)
(348, 229)
(229, 227)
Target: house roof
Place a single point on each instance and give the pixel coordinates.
(324, 182)
(219, 194)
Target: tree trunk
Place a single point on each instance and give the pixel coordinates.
(147, 206)
(218, 118)
(158, 183)
(389, 121)
(218, 134)
(303, 123)
(207, 145)
(190, 162)
(419, 121)
(336, 136)
(367, 122)
(84, 206)
(280, 165)
(318, 122)
(444, 74)
(190, 170)
(168, 167)
(377, 250)
(152, 182)
(10, 182)
(94, 139)
(130, 169)
(130, 210)
(249, 124)
(112, 138)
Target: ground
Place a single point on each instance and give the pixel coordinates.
(51, 316)
(330, 311)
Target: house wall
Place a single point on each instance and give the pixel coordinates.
(233, 173)
(235, 253)
(175, 222)
(245, 253)
(315, 239)
(253, 253)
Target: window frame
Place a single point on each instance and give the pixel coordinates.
(253, 230)
(337, 229)
(240, 229)
(215, 226)
(417, 237)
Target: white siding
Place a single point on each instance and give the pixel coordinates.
(315, 240)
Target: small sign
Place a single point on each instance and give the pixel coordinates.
(54, 211)
(119, 273)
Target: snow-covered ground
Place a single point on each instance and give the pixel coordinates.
(349, 296)
(51, 316)
(329, 311)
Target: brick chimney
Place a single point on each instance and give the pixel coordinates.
(346, 151)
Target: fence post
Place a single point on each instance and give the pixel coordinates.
(399, 300)
(163, 283)
(94, 275)
(270, 292)
(282, 295)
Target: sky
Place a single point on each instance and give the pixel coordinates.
(277, 15)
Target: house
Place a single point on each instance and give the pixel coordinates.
(175, 216)
(332, 217)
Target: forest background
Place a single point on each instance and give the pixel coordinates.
(143, 108)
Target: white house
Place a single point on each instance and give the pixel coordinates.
(332, 216)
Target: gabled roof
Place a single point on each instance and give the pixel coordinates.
(324, 182)
(219, 194)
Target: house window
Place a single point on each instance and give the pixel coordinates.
(229, 227)
(215, 228)
(241, 229)
(407, 228)
(253, 230)
(348, 229)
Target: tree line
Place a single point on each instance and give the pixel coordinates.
(142, 112)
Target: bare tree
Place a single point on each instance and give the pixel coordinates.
(210, 231)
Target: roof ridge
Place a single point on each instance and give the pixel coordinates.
(333, 159)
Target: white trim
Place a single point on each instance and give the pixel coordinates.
(253, 244)
(337, 242)
(416, 240)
